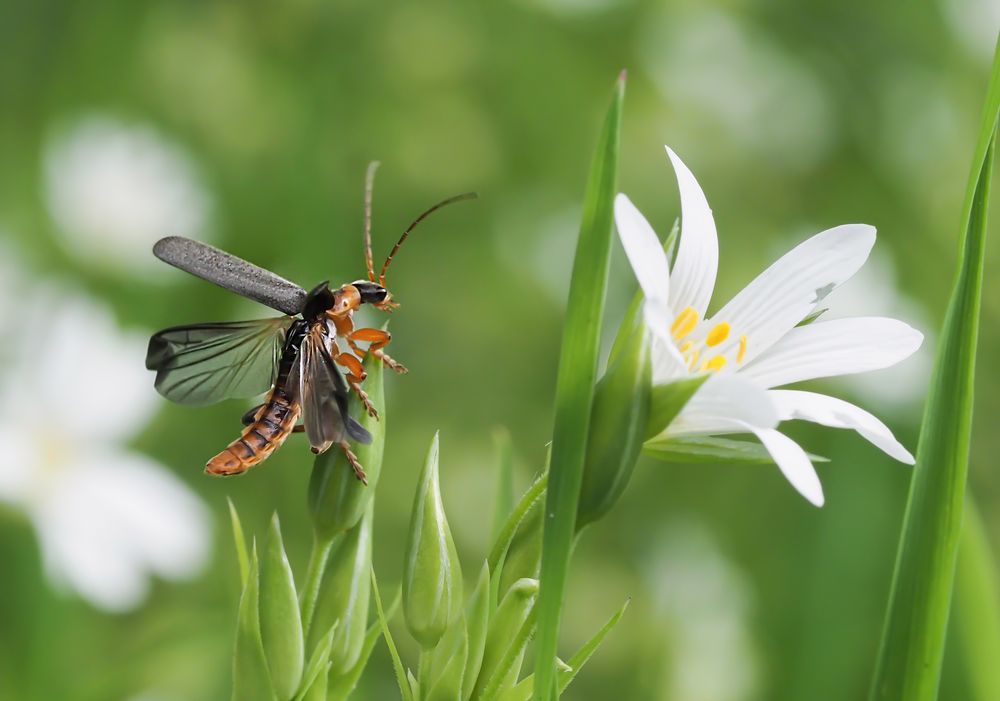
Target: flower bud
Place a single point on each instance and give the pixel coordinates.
(618, 422)
(343, 596)
(503, 631)
(432, 576)
(280, 622)
(251, 681)
(337, 499)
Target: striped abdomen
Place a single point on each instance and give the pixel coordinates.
(273, 422)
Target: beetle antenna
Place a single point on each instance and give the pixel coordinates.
(369, 186)
(411, 227)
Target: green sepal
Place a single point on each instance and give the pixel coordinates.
(618, 425)
(432, 575)
(667, 401)
(442, 677)
(524, 556)
(251, 680)
(344, 595)
(280, 624)
(504, 641)
(337, 499)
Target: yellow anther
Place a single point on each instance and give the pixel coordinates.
(718, 334)
(743, 349)
(684, 323)
(714, 363)
(693, 360)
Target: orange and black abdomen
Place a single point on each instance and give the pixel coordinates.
(273, 422)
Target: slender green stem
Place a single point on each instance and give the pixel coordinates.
(318, 558)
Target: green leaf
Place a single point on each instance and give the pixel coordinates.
(708, 449)
(508, 635)
(618, 424)
(568, 672)
(280, 625)
(442, 676)
(524, 554)
(397, 664)
(240, 541)
(337, 499)
(977, 608)
(251, 680)
(313, 686)
(575, 386)
(912, 648)
(505, 479)
(344, 594)
(478, 619)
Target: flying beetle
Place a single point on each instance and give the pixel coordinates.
(293, 358)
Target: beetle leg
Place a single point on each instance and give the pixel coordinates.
(359, 471)
(378, 339)
(355, 376)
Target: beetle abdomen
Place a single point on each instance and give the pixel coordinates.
(261, 438)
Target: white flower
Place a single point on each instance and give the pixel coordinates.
(107, 518)
(753, 344)
(114, 190)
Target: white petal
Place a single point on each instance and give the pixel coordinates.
(112, 520)
(785, 293)
(837, 347)
(725, 404)
(836, 413)
(698, 250)
(644, 251)
(793, 463)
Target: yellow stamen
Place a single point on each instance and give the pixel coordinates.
(684, 323)
(686, 346)
(743, 349)
(714, 363)
(718, 334)
(693, 360)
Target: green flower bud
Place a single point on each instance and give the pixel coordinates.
(432, 576)
(280, 624)
(251, 680)
(344, 594)
(618, 422)
(337, 499)
(504, 628)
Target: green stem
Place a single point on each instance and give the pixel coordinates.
(318, 559)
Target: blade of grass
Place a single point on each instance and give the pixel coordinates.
(977, 608)
(575, 389)
(402, 674)
(241, 543)
(909, 661)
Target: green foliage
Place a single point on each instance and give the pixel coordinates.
(432, 576)
(575, 387)
(251, 679)
(912, 648)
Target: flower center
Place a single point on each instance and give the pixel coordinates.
(685, 323)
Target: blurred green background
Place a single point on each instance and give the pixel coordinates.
(249, 125)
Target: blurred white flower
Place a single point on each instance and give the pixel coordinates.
(975, 23)
(705, 601)
(115, 189)
(754, 343)
(107, 518)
